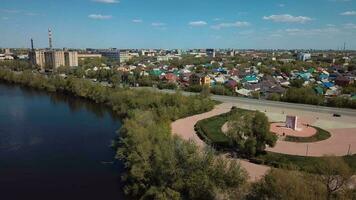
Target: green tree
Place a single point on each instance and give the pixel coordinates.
(335, 174)
(250, 132)
(292, 185)
(297, 83)
(205, 91)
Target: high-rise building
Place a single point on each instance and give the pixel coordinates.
(54, 59)
(210, 53)
(71, 58)
(124, 56)
(112, 54)
(37, 57)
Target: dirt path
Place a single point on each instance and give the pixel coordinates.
(341, 142)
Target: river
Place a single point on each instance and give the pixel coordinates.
(56, 146)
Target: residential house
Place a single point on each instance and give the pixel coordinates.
(343, 81)
(244, 92)
(231, 84)
(200, 79)
(170, 78)
(250, 79)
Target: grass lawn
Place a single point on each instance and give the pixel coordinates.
(320, 135)
(302, 163)
(210, 131)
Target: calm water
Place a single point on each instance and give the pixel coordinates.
(55, 147)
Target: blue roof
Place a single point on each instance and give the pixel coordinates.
(323, 76)
(218, 70)
(305, 76)
(328, 84)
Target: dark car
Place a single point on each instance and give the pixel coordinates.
(336, 115)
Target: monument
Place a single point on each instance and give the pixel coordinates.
(291, 122)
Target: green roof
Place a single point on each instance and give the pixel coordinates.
(319, 90)
(155, 72)
(311, 70)
(250, 78)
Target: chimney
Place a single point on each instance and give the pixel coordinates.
(32, 45)
(50, 38)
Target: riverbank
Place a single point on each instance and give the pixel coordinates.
(150, 154)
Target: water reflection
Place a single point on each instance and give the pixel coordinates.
(54, 146)
(75, 104)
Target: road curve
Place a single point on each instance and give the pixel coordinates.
(185, 129)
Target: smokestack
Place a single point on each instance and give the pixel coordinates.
(32, 45)
(50, 38)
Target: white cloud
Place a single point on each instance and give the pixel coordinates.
(10, 11)
(237, 24)
(286, 18)
(22, 12)
(99, 17)
(107, 1)
(198, 23)
(350, 26)
(281, 5)
(310, 32)
(158, 24)
(32, 14)
(348, 13)
(340, 0)
(137, 20)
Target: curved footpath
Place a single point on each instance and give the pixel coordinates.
(185, 129)
(341, 142)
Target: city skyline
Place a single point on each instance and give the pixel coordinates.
(166, 24)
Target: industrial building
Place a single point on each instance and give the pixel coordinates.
(51, 59)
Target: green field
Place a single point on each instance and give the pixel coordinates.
(320, 135)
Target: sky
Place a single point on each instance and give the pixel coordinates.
(239, 24)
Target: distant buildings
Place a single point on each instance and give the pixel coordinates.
(7, 55)
(83, 56)
(125, 56)
(304, 56)
(210, 53)
(52, 59)
(112, 54)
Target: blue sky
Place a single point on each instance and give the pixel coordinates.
(317, 24)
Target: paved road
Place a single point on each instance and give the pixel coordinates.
(304, 107)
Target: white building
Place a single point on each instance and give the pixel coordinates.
(304, 56)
